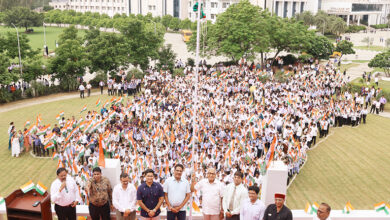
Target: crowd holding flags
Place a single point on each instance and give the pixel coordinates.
(237, 129)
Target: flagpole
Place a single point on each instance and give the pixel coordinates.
(195, 95)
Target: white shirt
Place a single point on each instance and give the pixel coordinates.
(211, 196)
(252, 211)
(124, 199)
(68, 195)
(240, 194)
(316, 218)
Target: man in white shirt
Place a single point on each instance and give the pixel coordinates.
(82, 89)
(212, 194)
(235, 193)
(252, 208)
(323, 212)
(177, 193)
(64, 193)
(124, 199)
(89, 86)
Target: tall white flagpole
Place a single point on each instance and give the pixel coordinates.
(195, 95)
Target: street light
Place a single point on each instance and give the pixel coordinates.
(44, 39)
(20, 58)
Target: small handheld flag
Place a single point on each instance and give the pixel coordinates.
(27, 187)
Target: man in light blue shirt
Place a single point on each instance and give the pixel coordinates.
(177, 193)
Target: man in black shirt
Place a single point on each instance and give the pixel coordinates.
(278, 210)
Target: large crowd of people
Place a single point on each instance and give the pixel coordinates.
(246, 117)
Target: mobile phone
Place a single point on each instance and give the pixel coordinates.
(36, 204)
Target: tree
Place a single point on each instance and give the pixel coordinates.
(381, 60)
(338, 25)
(319, 47)
(239, 31)
(70, 61)
(287, 35)
(10, 46)
(106, 51)
(369, 41)
(345, 47)
(185, 24)
(174, 24)
(33, 68)
(6, 77)
(23, 17)
(166, 20)
(141, 42)
(307, 17)
(166, 58)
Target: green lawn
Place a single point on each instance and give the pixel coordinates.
(351, 165)
(373, 48)
(37, 38)
(347, 66)
(14, 172)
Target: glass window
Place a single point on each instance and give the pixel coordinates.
(367, 7)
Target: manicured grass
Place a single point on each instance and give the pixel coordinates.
(373, 48)
(351, 165)
(14, 172)
(347, 66)
(37, 37)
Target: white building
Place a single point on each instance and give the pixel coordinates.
(176, 8)
(369, 11)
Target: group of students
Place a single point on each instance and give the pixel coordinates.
(245, 119)
(231, 202)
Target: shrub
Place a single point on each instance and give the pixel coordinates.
(355, 28)
(190, 62)
(379, 26)
(289, 59)
(178, 72)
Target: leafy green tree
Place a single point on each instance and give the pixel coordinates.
(6, 77)
(71, 60)
(23, 17)
(319, 47)
(166, 20)
(10, 46)
(287, 35)
(381, 60)
(166, 58)
(174, 24)
(33, 68)
(239, 31)
(306, 17)
(185, 24)
(141, 42)
(345, 47)
(106, 51)
(69, 33)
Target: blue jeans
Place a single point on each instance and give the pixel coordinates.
(180, 215)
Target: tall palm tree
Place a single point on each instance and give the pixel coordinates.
(338, 26)
(307, 17)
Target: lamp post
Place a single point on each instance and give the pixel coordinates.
(20, 58)
(44, 39)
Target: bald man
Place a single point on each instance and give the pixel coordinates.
(212, 193)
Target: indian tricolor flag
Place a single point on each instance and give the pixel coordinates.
(347, 208)
(314, 207)
(2, 200)
(84, 109)
(27, 187)
(381, 207)
(98, 102)
(40, 188)
(27, 123)
(58, 117)
(48, 146)
(62, 113)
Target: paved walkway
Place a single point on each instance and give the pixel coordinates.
(40, 100)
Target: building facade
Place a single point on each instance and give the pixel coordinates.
(353, 11)
(176, 8)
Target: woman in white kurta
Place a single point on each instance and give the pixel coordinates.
(15, 145)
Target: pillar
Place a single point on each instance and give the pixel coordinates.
(112, 171)
(358, 22)
(348, 20)
(275, 181)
